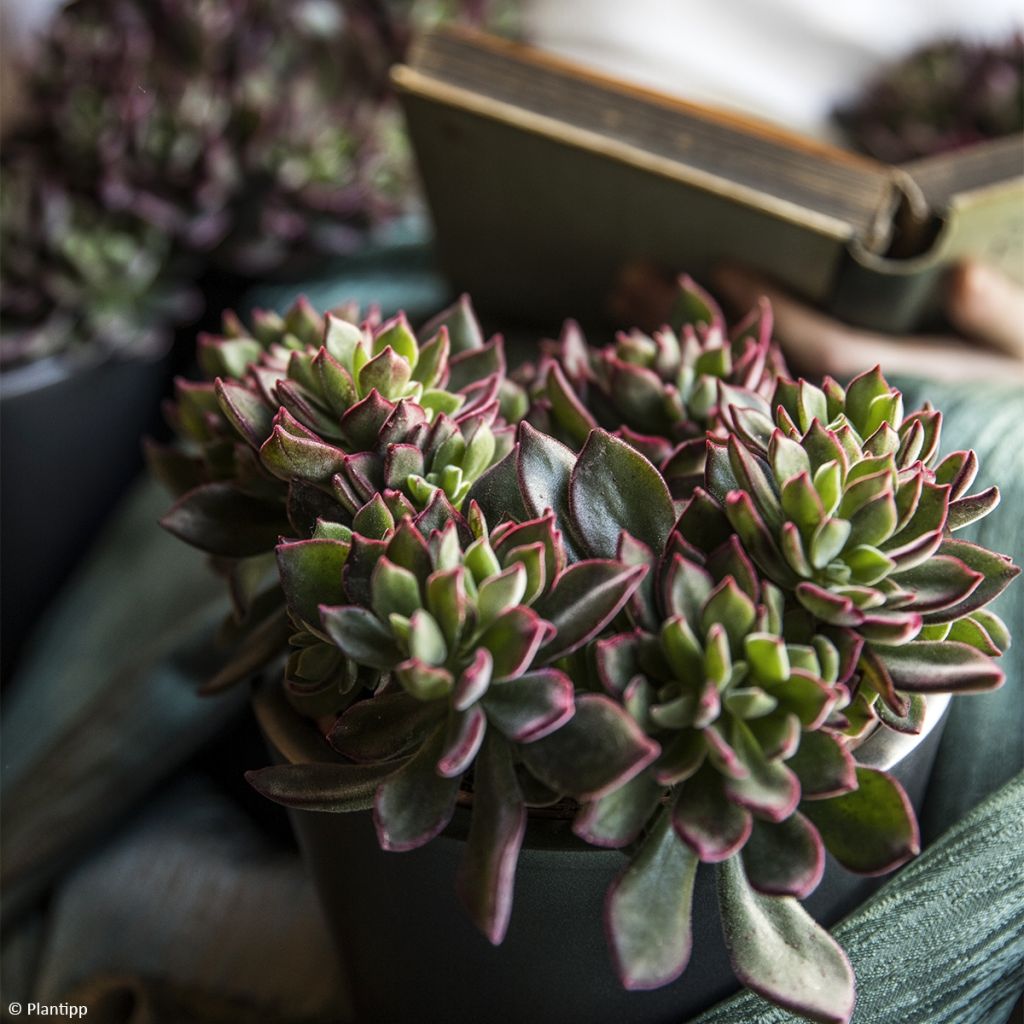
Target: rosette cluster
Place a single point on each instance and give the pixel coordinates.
(682, 665)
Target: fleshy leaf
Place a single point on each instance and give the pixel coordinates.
(361, 635)
(778, 950)
(487, 873)
(614, 488)
(648, 911)
(784, 858)
(928, 666)
(616, 819)
(530, 706)
(870, 830)
(415, 804)
(322, 787)
(223, 520)
(599, 748)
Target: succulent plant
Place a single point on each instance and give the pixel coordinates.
(660, 392)
(512, 623)
(248, 129)
(76, 277)
(944, 96)
(312, 420)
(468, 627)
(844, 502)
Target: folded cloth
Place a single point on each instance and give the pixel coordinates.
(105, 705)
(190, 913)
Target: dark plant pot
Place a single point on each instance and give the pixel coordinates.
(69, 444)
(410, 954)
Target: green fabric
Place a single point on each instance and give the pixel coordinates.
(943, 941)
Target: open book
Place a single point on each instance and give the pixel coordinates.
(544, 180)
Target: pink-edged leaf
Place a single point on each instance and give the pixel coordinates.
(968, 510)
(939, 583)
(598, 749)
(385, 727)
(530, 706)
(872, 829)
(614, 488)
(463, 736)
(474, 680)
(706, 820)
(289, 457)
(583, 600)
(486, 875)
(823, 765)
(544, 466)
(778, 950)
(747, 522)
(514, 639)
(875, 677)
(221, 519)
(785, 858)
(890, 629)
(648, 911)
(572, 415)
(997, 570)
(334, 788)
(617, 661)
(941, 666)
(246, 410)
(615, 820)
(415, 804)
(827, 606)
(770, 789)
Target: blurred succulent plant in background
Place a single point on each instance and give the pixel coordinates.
(254, 131)
(163, 139)
(471, 610)
(945, 96)
(75, 277)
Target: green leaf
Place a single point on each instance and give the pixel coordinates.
(584, 599)
(614, 488)
(289, 457)
(385, 727)
(311, 575)
(767, 656)
(615, 820)
(426, 641)
(649, 911)
(223, 520)
(248, 413)
(531, 706)
(713, 826)
(322, 787)
(415, 804)
(544, 467)
(514, 639)
(870, 830)
(778, 950)
(361, 635)
(928, 666)
(598, 749)
(823, 765)
(784, 858)
(769, 789)
(393, 591)
(998, 571)
(487, 873)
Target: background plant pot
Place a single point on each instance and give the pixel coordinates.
(410, 953)
(69, 444)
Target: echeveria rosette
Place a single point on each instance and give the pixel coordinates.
(747, 705)
(660, 392)
(318, 423)
(466, 629)
(844, 502)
